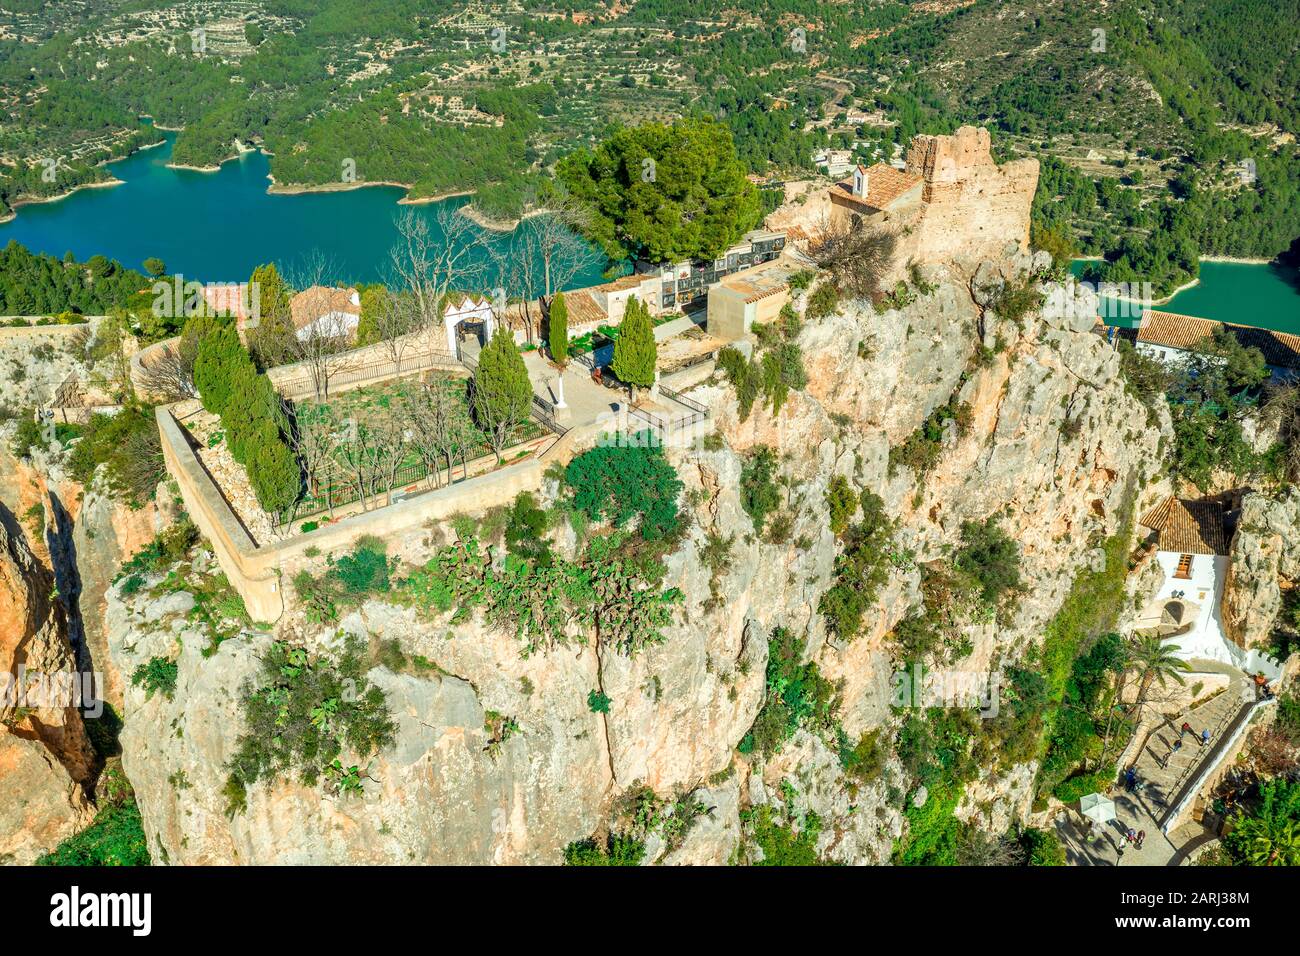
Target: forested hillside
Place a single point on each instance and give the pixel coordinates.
(1166, 128)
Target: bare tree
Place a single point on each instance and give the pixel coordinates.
(169, 372)
(389, 439)
(327, 330)
(315, 441)
(519, 270)
(560, 247)
(438, 429)
(856, 254)
(396, 319)
(427, 263)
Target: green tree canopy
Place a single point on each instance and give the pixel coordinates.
(635, 351)
(502, 392)
(557, 330)
(664, 192)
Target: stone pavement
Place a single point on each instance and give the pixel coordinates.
(1164, 774)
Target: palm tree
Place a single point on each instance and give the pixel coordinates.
(1156, 662)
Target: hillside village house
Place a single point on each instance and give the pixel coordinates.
(1192, 539)
(324, 310)
(836, 162)
(753, 296)
(1171, 338)
(661, 288)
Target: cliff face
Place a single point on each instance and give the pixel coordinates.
(1053, 443)
(1265, 565)
(45, 757)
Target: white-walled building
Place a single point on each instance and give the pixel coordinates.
(1192, 544)
(1171, 337)
(325, 311)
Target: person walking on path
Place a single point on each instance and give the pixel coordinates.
(1205, 737)
(1186, 729)
(1141, 838)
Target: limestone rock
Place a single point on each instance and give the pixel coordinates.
(40, 804)
(1265, 560)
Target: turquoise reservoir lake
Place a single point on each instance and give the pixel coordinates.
(1266, 296)
(217, 226)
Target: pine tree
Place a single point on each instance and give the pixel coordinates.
(502, 392)
(635, 351)
(557, 330)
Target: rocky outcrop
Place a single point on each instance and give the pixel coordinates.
(44, 692)
(1051, 445)
(40, 804)
(1265, 564)
(45, 756)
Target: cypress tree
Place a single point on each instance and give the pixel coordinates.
(635, 351)
(557, 331)
(502, 392)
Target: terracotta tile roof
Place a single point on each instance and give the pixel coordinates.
(1189, 526)
(583, 312)
(884, 185)
(311, 303)
(623, 282)
(1168, 329)
(583, 309)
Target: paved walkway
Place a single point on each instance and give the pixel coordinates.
(1165, 775)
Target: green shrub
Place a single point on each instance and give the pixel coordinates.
(597, 702)
(619, 850)
(824, 300)
(759, 493)
(526, 531)
(1266, 834)
(842, 503)
(795, 696)
(991, 557)
(782, 844)
(364, 571)
(620, 482)
(1068, 791)
(128, 446)
(861, 569)
(1043, 847)
(116, 838)
(302, 714)
(158, 674)
(29, 435)
(172, 544)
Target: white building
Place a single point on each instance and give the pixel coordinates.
(1171, 337)
(1192, 544)
(322, 310)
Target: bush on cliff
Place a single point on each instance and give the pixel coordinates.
(303, 716)
(618, 483)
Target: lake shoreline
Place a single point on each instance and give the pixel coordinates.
(224, 226)
(1192, 284)
(41, 200)
(102, 184)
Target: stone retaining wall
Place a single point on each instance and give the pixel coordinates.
(260, 574)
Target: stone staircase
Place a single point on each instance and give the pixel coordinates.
(1166, 773)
